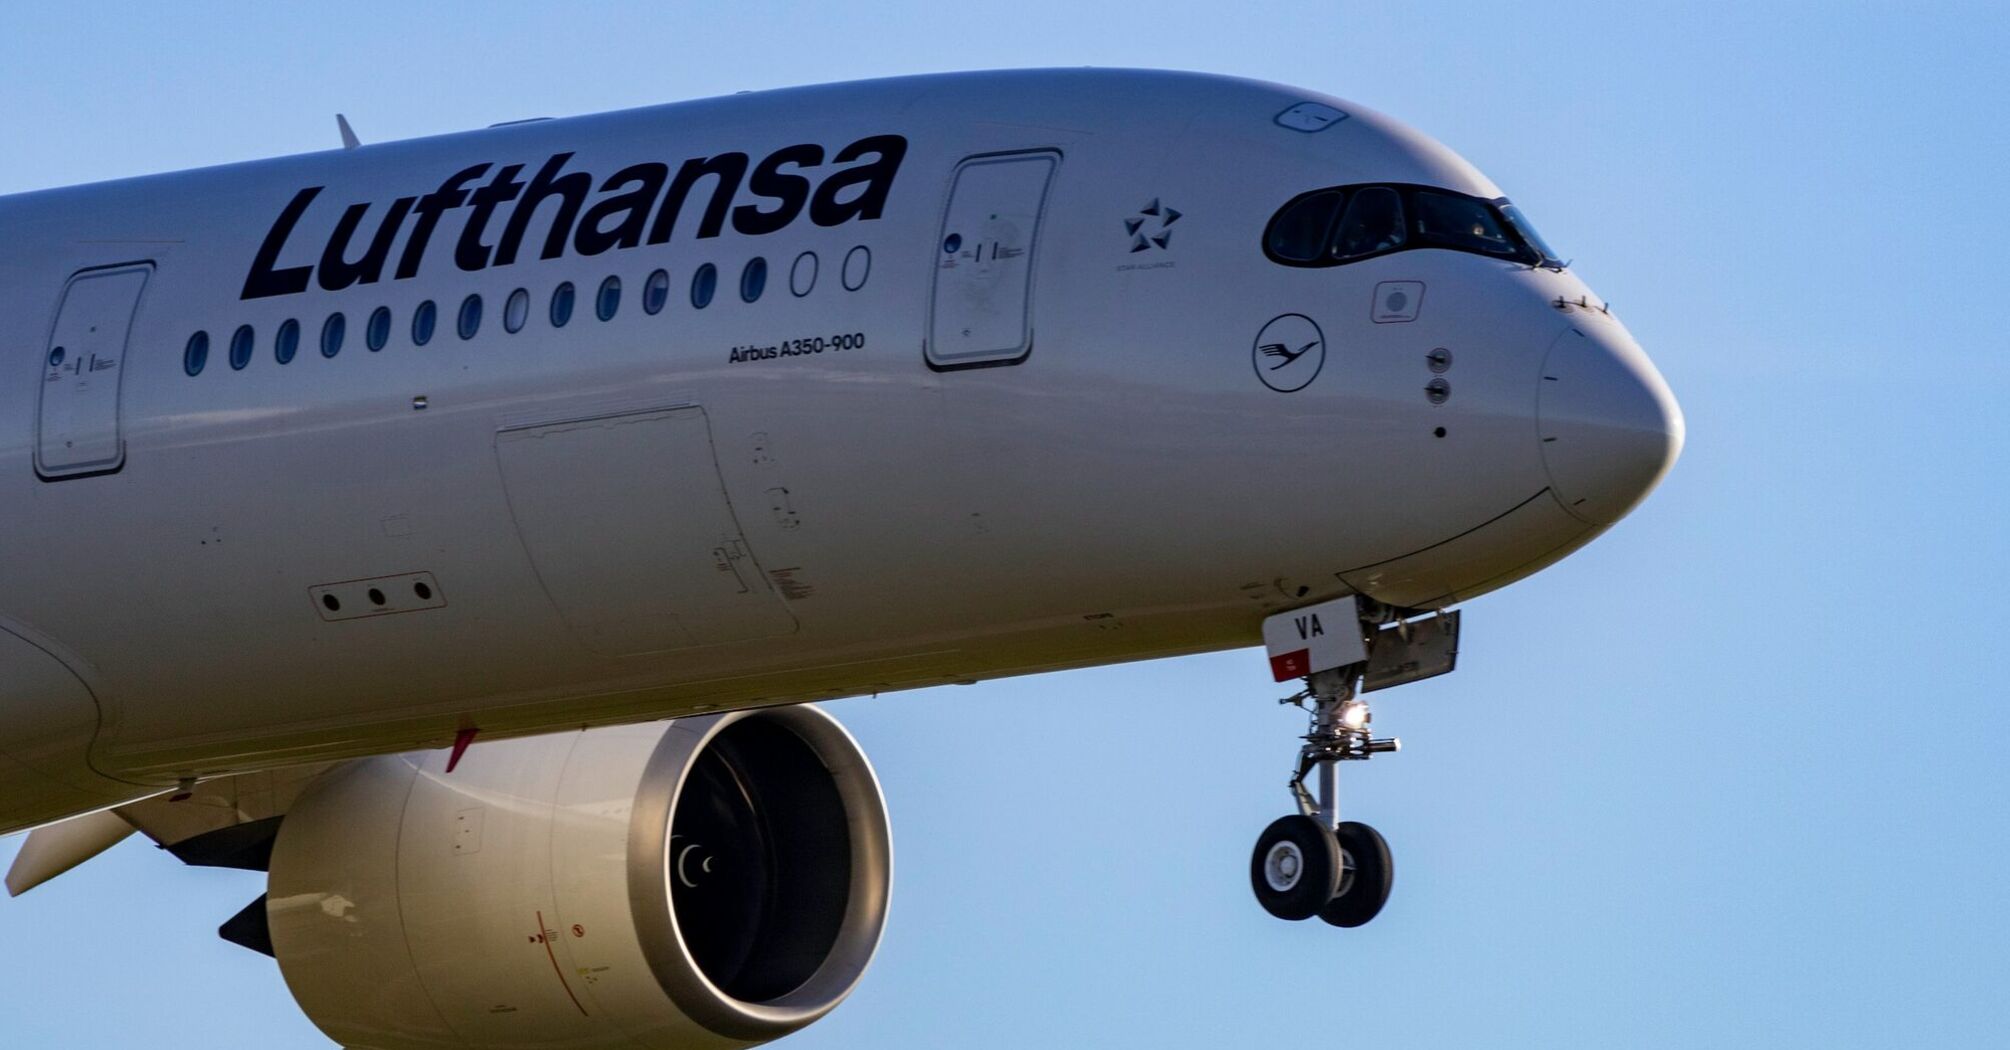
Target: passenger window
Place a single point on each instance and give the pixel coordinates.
(240, 347)
(379, 330)
(803, 275)
(1373, 224)
(516, 311)
(609, 300)
(703, 284)
(287, 342)
(195, 354)
(857, 267)
(753, 279)
(1463, 223)
(561, 304)
(470, 320)
(1298, 234)
(423, 321)
(332, 331)
(655, 292)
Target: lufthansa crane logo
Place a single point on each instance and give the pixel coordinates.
(1288, 353)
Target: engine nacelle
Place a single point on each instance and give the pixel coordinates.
(709, 882)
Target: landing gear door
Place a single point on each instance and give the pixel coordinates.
(82, 366)
(981, 309)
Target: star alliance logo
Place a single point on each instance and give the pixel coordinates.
(1151, 227)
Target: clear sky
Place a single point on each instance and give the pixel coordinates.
(1733, 775)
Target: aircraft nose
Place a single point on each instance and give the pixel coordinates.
(1609, 425)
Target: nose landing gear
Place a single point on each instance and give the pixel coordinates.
(1312, 862)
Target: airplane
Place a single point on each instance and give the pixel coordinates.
(461, 530)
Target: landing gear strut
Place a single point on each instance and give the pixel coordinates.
(1312, 862)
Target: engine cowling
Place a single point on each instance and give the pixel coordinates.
(709, 882)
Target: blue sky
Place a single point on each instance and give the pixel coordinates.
(1734, 775)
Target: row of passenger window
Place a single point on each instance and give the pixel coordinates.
(516, 310)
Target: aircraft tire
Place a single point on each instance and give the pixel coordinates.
(1368, 873)
(1295, 867)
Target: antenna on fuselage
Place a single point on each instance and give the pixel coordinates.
(349, 139)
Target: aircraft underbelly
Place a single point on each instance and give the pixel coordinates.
(51, 717)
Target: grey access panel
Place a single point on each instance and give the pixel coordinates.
(628, 525)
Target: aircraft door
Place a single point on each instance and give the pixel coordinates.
(981, 308)
(77, 418)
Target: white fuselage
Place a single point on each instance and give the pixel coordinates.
(763, 502)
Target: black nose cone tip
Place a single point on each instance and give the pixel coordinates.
(1609, 426)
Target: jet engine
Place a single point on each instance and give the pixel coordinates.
(718, 881)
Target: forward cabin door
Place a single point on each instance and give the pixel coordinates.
(77, 417)
(981, 308)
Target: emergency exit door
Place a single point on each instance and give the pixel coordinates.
(981, 309)
(77, 416)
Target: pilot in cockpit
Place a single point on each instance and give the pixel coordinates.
(1373, 223)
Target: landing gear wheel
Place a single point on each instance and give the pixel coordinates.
(1295, 869)
(1367, 872)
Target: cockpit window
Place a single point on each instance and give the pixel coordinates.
(1299, 231)
(1373, 224)
(1522, 226)
(1344, 224)
(1462, 222)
